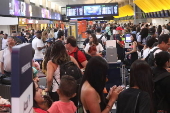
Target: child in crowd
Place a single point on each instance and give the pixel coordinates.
(67, 89)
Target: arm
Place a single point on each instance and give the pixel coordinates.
(119, 43)
(40, 48)
(50, 73)
(74, 61)
(84, 63)
(2, 67)
(134, 48)
(139, 43)
(2, 61)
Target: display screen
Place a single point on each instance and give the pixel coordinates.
(14, 7)
(109, 9)
(92, 10)
(128, 38)
(162, 14)
(23, 9)
(166, 13)
(151, 15)
(88, 10)
(75, 11)
(158, 14)
(155, 14)
(148, 15)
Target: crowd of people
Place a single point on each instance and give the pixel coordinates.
(148, 59)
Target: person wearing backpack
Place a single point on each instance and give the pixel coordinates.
(161, 78)
(73, 50)
(100, 37)
(93, 41)
(59, 57)
(151, 34)
(163, 45)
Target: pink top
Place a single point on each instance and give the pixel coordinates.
(62, 107)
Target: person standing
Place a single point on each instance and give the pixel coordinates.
(108, 31)
(88, 34)
(1, 37)
(6, 57)
(38, 45)
(4, 42)
(119, 45)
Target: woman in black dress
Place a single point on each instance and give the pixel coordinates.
(133, 51)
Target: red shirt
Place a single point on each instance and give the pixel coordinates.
(38, 110)
(62, 107)
(80, 56)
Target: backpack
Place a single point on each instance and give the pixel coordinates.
(159, 98)
(86, 55)
(100, 40)
(150, 58)
(71, 69)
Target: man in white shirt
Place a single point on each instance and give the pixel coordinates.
(38, 45)
(6, 57)
(4, 41)
(163, 44)
(99, 35)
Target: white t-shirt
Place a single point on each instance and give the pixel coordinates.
(6, 59)
(165, 31)
(114, 31)
(103, 38)
(35, 44)
(157, 51)
(146, 52)
(143, 40)
(4, 43)
(98, 47)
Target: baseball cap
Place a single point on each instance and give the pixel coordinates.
(49, 40)
(119, 28)
(152, 31)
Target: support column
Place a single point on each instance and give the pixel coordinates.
(138, 15)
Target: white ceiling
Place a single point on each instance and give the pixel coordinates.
(63, 3)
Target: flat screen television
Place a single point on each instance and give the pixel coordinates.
(151, 15)
(148, 15)
(162, 13)
(14, 7)
(74, 11)
(90, 10)
(155, 15)
(158, 14)
(166, 13)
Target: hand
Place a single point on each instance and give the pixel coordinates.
(127, 53)
(115, 92)
(46, 89)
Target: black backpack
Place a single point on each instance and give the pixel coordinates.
(150, 58)
(71, 69)
(86, 55)
(100, 40)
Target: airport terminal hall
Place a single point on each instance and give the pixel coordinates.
(84, 56)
